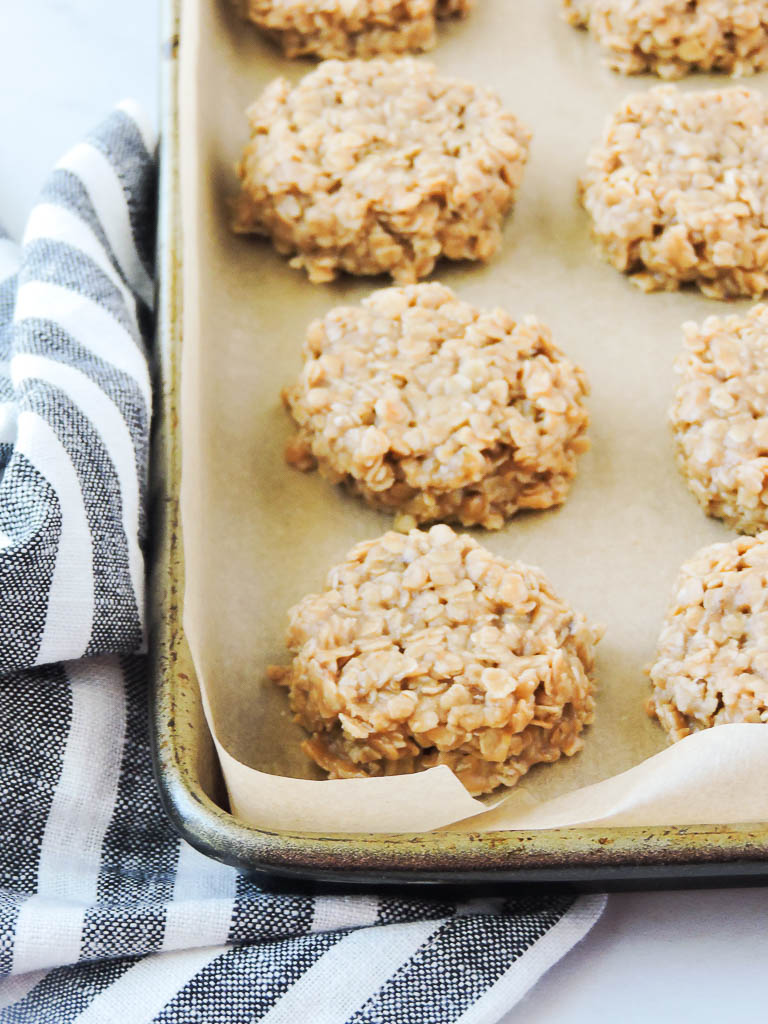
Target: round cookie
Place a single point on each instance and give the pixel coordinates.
(720, 417)
(361, 28)
(677, 187)
(711, 666)
(675, 37)
(379, 166)
(425, 649)
(436, 410)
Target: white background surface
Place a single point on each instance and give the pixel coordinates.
(653, 957)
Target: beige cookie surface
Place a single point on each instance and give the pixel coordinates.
(677, 188)
(436, 410)
(424, 649)
(719, 417)
(379, 166)
(352, 28)
(674, 37)
(711, 665)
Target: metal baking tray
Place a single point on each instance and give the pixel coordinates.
(185, 762)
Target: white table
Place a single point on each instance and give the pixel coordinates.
(653, 957)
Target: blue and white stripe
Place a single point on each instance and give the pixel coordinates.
(75, 407)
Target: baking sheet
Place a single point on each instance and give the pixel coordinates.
(259, 535)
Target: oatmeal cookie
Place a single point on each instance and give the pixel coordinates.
(431, 408)
(678, 187)
(379, 166)
(712, 661)
(674, 37)
(360, 28)
(720, 417)
(425, 649)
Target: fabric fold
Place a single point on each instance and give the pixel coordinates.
(75, 405)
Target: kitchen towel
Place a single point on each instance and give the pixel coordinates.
(105, 913)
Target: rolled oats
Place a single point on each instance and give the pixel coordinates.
(429, 407)
(352, 28)
(712, 661)
(674, 37)
(677, 190)
(720, 417)
(425, 649)
(379, 166)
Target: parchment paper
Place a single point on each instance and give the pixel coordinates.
(259, 535)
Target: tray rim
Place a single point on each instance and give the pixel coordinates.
(582, 858)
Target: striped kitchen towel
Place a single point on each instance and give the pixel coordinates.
(105, 914)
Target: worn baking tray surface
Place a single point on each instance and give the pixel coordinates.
(259, 535)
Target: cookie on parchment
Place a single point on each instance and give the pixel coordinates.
(352, 28)
(677, 190)
(435, 410)
(711, 665)
(674, 37)
(720, 417)
(425, 649)
(379, 166)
